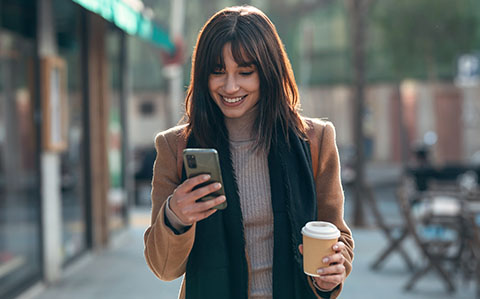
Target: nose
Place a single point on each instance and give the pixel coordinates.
(231, 85)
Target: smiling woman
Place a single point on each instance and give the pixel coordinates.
(279, 171)
(235, 89)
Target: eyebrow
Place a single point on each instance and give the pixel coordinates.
(246, 64)
(243, 64)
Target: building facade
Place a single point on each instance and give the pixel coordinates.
(64, 181)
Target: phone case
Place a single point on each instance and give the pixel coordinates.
(204, 161)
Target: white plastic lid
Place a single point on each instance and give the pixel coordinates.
(320, 230)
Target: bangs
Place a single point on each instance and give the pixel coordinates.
(241, 54)
(254, 43)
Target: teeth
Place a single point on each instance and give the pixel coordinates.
(232, 100)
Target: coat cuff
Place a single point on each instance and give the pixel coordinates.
(172, 220)
(324, 294)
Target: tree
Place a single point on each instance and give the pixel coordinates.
(423, 38)
(358, 10)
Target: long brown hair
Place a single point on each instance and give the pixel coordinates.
(254, 40)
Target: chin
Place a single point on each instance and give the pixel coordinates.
(233, 115)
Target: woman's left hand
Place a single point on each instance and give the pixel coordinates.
(335, 273)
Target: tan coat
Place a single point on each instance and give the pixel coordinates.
(167, 253)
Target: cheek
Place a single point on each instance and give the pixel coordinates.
(255, 84)
(212, 90)
(210, 85)
(213, 86)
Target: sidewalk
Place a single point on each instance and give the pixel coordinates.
(121, 273)
(116, 273)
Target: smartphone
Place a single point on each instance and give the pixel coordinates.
(204, 161)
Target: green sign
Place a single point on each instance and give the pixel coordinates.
(129, 20)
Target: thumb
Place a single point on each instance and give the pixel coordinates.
(300, 248)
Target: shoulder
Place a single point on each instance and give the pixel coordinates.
(171, 139)
(318, 129)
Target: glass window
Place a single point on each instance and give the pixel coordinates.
(117, 199)
(20, 260)
(68, 24)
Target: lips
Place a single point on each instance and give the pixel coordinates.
(233, 100)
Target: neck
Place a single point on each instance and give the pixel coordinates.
(241, 129)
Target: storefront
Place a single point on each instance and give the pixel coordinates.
(20, 241)
(69, 24)
(63, 147)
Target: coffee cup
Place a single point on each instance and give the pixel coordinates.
(318, 240)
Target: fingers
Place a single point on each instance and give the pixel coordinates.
(200, 210)
(338, 269)
(331, 276)
(339, 246)
(183, 194)
(185, 190)
(335, 262)
(203, 206)
(190, 183)
(184, 199)
(328, 282)
(335, 273)
(201, 192)
(336, 258)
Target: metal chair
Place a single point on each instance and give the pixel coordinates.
(429, 222)
(395, 233)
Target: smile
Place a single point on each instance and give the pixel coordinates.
(233, 100)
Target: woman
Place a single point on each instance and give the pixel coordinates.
(279, 171)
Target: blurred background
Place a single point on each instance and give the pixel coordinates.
(86, 84)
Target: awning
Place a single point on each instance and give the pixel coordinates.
(132, 21)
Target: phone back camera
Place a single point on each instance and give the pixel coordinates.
(191, 161)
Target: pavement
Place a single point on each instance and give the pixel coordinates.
(121, 273)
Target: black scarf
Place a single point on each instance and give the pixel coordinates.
(217, 265)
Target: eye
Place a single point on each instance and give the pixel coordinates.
(248, 73)
(218, 72)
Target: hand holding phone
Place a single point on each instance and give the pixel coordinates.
(198, 161)
(201, 194)
(185, 200)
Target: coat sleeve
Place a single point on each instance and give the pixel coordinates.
(166, 253)
(330, 197)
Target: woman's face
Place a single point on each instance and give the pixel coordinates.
(236, 88)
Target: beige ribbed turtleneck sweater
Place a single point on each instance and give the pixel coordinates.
(253, 180)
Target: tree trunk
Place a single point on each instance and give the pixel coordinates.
(358, 10)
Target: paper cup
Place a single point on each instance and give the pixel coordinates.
(318, 239)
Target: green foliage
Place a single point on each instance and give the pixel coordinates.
(405, 38)
(327, 51)
(423, 38)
